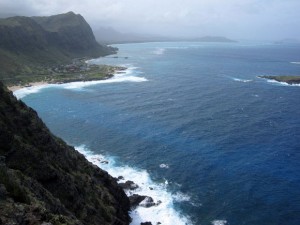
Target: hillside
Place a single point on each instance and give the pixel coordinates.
(30, 42)
(42, 179)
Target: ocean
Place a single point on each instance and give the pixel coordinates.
(193, 126)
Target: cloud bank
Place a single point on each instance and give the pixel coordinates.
(246, 19)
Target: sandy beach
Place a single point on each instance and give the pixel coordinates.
(18, 87)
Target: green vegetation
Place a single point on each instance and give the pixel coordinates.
(13, 188)
(42, 179)
(77, 71)
(32, 46)
(286, 79)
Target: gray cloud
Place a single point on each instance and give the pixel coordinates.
(252, 19)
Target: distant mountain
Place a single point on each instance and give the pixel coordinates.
(108, 35)
(287, 41)
(31, 41)
(211, 39)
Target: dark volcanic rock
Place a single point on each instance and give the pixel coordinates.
(43, 180)
(146, 223)
(147, 202)
(129, 185)
(135, 200)
(120, 178)
(142, 200)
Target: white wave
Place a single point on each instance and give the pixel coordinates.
(295, 62)
(181, 197)
(163, 212)
(119, 76)
(219, 222)
(159, 51)
(21, 93)
(164, 166)
(282, 83)
(116, 79)
(241, 80)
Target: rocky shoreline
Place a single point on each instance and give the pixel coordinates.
(286, 79)
(129, 187)
(45, 181)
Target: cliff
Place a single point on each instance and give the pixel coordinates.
(43, 180)
(26, 42)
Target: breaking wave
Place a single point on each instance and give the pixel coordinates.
(163, 212)
(127, 75)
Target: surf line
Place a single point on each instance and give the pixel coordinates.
(151, 201)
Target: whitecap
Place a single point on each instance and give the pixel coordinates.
(241, 80)
(164, 212)
(181, 197)
(164, 166)
(219, 222)
(295, 63)
(159, 51)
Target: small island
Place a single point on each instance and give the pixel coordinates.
(286, 79)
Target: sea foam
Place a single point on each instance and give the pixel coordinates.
(120, 76)
(241, 80)
(21, 93)
(282, 83)
(164, 212)
(219, 222)
(159, 51)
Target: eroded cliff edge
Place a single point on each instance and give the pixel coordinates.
(42, 179)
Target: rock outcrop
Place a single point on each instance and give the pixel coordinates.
(43, 180)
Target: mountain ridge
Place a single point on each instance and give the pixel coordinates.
(29, 42)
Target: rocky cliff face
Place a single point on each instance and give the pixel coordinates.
(44, 180)
(26, 41)
(72, 34)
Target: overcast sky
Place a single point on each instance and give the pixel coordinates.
(237, 19)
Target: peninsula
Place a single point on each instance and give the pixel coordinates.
(286, 79)
(78, 70)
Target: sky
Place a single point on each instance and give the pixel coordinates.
(236, 19)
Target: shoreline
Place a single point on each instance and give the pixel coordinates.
(111, 74)
(289, 80)
(32, 84)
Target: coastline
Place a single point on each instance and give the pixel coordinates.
(32, 84)
(110, 74)
(288, 80)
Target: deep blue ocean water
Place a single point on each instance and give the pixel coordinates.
(221, 144)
